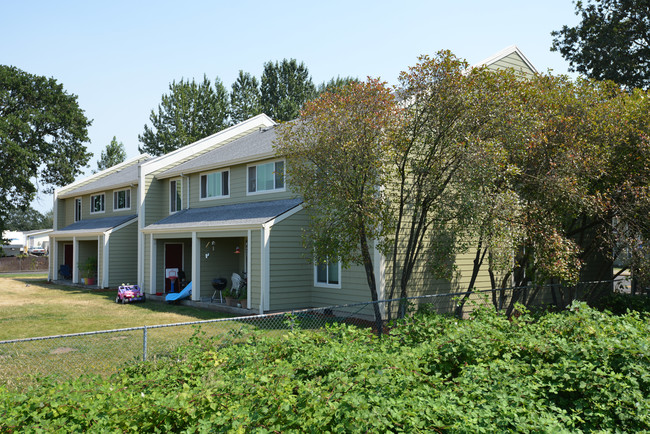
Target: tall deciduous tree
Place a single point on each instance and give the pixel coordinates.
(42, 137)
(611, 42)
(335, 159)
(188, 113)
(286, 86)
(448, 188)
(244, 98)
(112, 155)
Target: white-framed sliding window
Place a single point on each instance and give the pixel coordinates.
(328, 274)
(97, 203)
(215, 185)
(122, 200)
(175, 195)
(77, 209)
(266, 178)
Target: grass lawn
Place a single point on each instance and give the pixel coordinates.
(31, 307)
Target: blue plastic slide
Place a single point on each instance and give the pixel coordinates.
(177, 296)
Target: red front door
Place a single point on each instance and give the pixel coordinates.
(67, 255)
(173, 259)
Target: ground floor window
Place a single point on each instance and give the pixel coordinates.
(328, 274)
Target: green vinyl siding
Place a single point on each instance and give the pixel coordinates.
(156, 203)
(65, 209)
(237, 191)
(515, 62)
(291, 276)
(123, 255)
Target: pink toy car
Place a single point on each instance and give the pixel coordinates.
(128, 293)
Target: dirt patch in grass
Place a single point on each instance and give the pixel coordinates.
(62, 350)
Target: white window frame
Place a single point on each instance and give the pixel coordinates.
(92, 202)
(177, 191)
(326, 284)
(221, 196)
(273, 190)
(115, 192)
(78, 208)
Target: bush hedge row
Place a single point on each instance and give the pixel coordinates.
(579, 370)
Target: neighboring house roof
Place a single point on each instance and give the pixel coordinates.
(242, 214)
(37, 231)
(92, 226)
(510, 57)
(253, 146)
(120, 175)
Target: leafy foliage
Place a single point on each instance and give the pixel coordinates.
(189, 112)
(579, 370)
(28, 219)
(42, 137)
(336, 155)
(112, 155)
(611, 42)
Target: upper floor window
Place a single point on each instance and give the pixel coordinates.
(175, 196)
(97, 203)
(77, 209)
(328, 274)
(215, 184)
(266, 177)
(122, 199)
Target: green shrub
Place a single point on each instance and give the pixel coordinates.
(579, 370)
(619, 304)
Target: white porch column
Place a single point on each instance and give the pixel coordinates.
(152, 265)
(104, 283)
(53, 272)
(196, 268)
(75, 260)
(249, 293)
(266, 268)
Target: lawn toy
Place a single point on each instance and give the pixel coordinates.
(128, 293)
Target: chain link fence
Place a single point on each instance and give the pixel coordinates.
(24, 361)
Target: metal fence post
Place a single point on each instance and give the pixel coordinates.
(292, 320)
(144, 345)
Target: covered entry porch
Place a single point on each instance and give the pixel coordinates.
(216, 242)
(200, 258)
(103, 250)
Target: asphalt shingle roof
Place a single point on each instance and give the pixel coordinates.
(96, 225)
(252, 213)
(256, 143)
(123, 177)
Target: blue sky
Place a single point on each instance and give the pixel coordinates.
(119, 57)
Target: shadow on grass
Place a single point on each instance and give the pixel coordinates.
(108, 296)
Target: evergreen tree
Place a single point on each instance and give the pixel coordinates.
(188, 113)
(286, 86)
(244, 98)
(112, 155)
